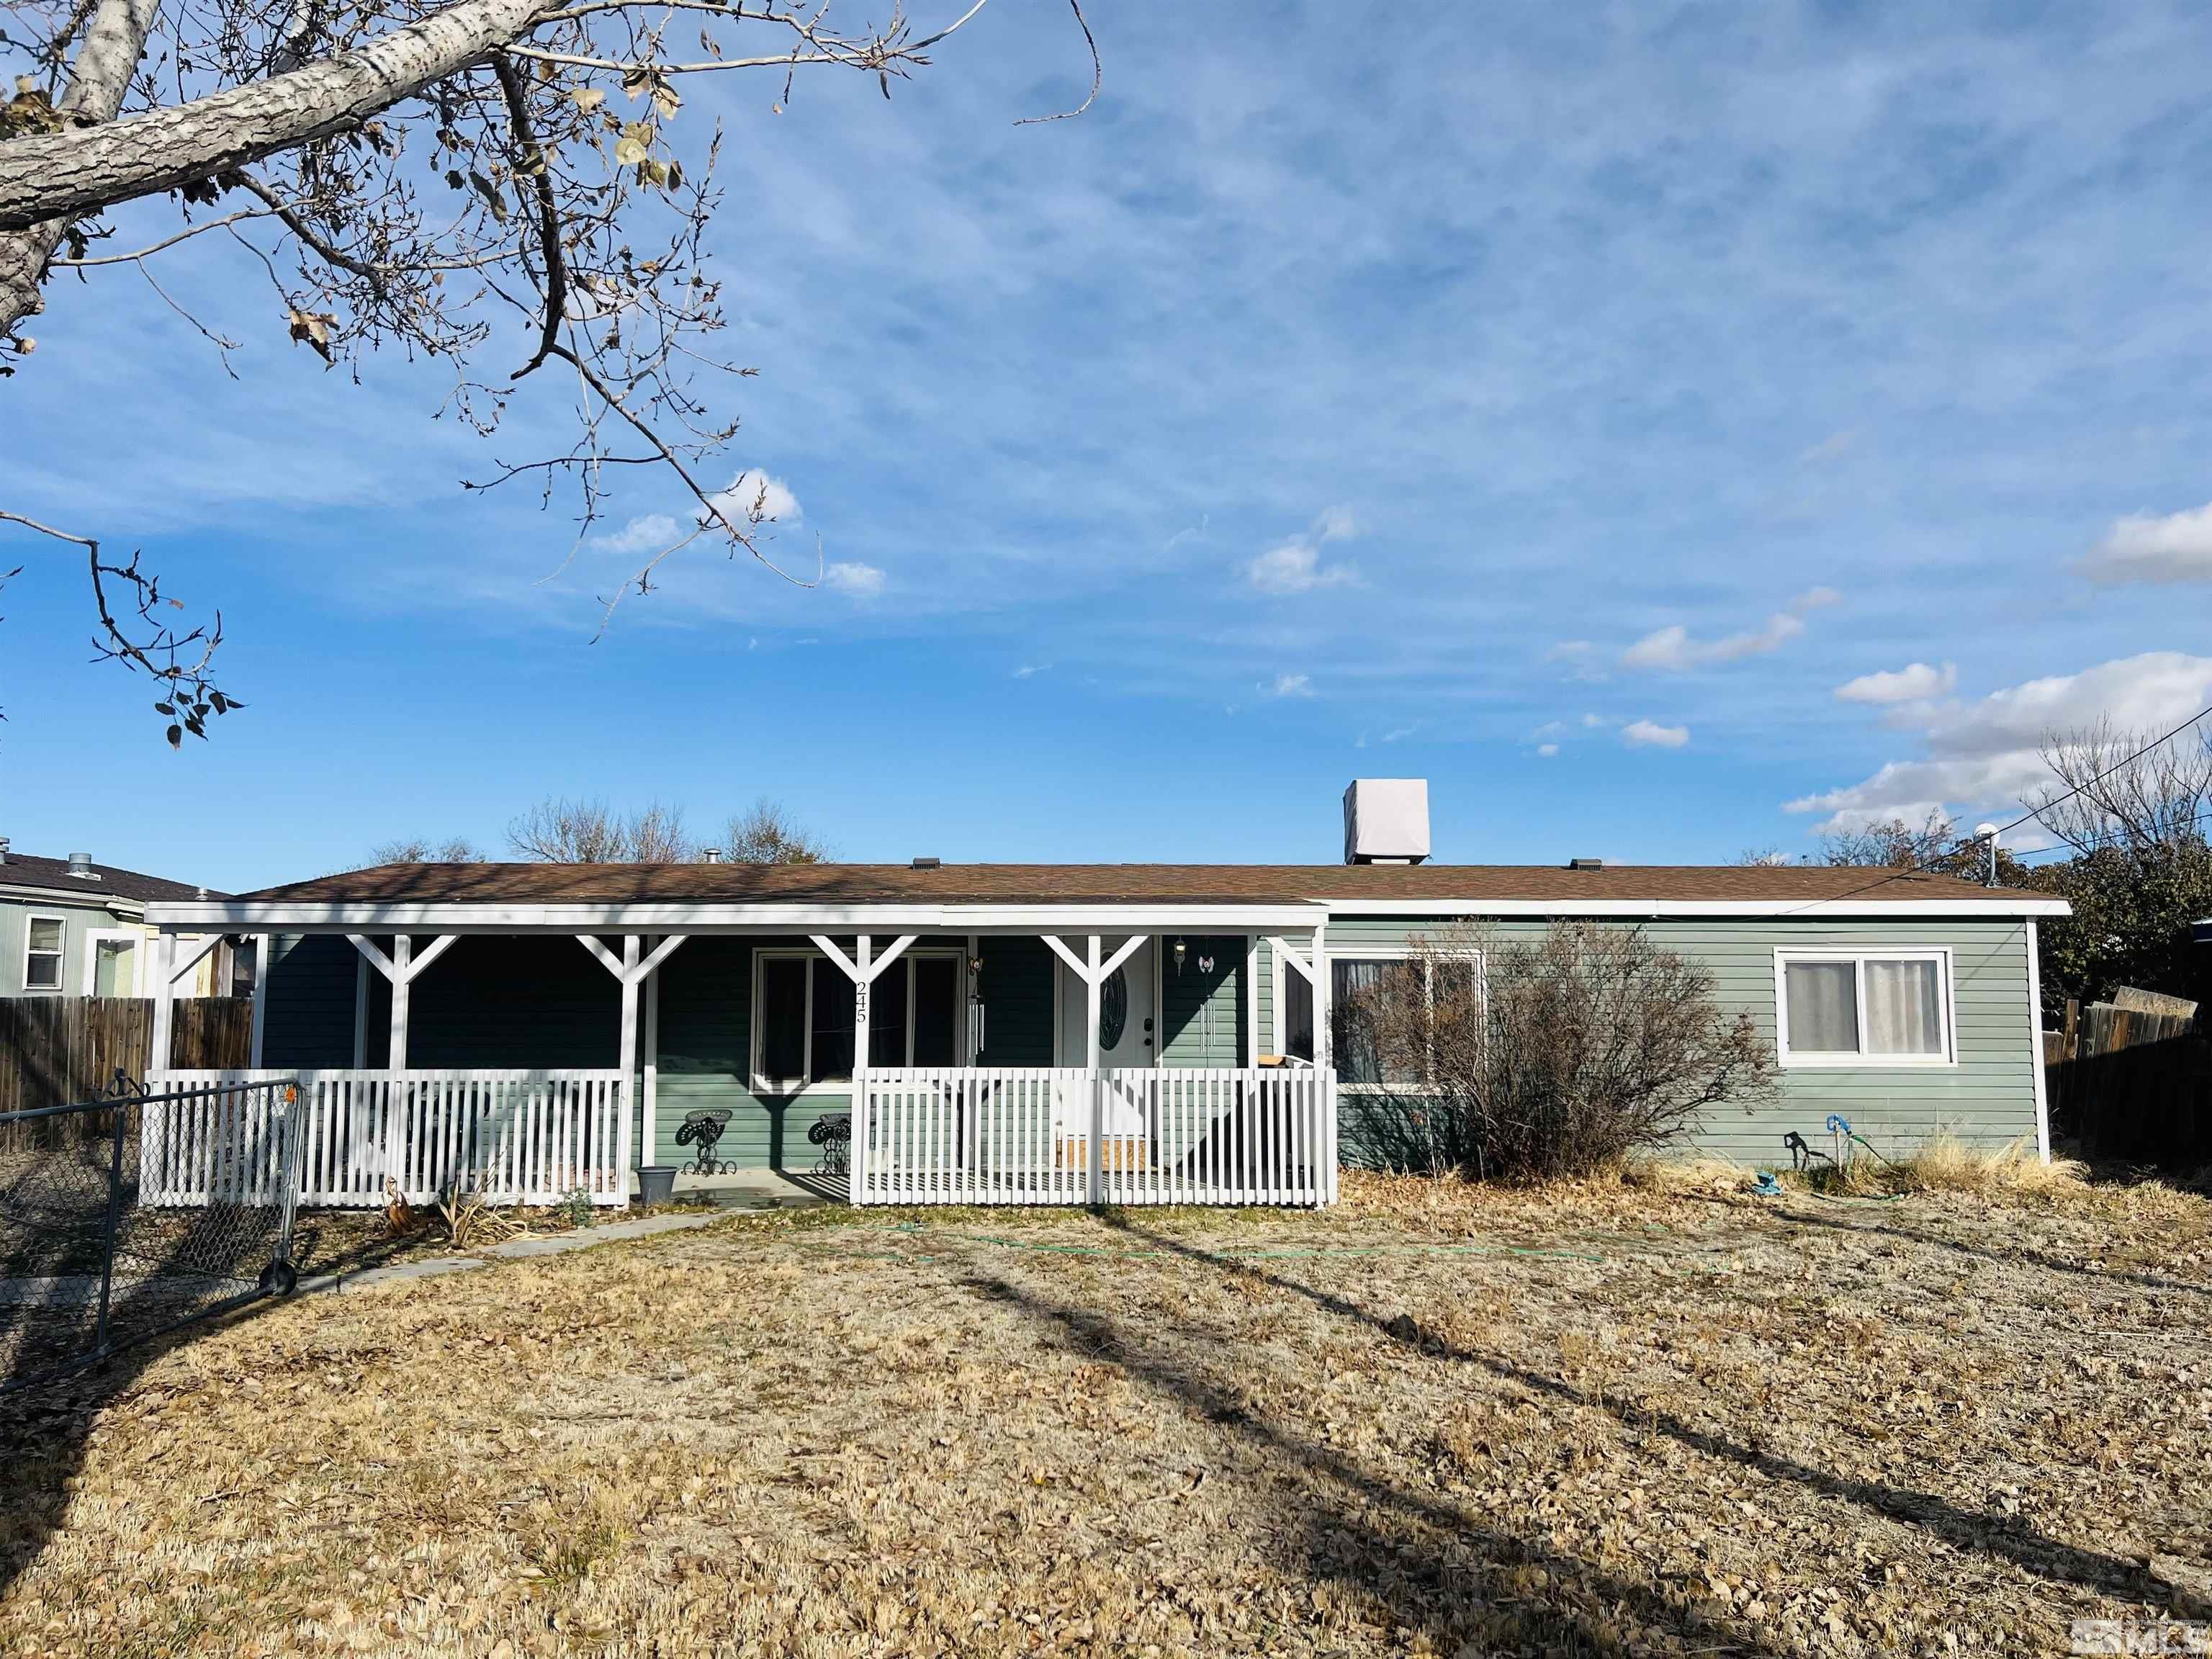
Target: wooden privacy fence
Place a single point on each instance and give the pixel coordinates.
(2127, 1083)
(1068, 1135)
(57, 1050)
(513, 1137)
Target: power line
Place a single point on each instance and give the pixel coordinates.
(1921, 867)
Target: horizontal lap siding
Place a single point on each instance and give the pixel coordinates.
(310, 1007)
(1190, 1036)
(1988, 1099)
(1017, 985)
(538, 1001)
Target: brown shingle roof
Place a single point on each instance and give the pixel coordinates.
(1105, 884)
(29, 870)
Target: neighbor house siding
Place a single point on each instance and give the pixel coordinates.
(78, 919)
(1986, 1099)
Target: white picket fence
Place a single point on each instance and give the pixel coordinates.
(1067, 1136)
(515, 1137)
(218, 1143)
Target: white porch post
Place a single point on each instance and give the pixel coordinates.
(1092, 982)
(403, 958)
(1252, 1050)
(650, 1120)
(629, 979)
(861, 987)
(261, 945)
(1324, 1039)
(165, 997)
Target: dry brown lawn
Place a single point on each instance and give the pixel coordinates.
(1613, 1419)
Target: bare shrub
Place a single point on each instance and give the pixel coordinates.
(768, 833)
(1558, 1055)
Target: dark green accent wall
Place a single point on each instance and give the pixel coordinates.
(309, 1022)
(1202, 1013)
(538, 1001)
(1017, 987)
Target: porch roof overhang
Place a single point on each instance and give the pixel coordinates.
(291, 916)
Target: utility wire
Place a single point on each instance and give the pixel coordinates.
(1920, 867)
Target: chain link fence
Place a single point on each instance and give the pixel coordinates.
(90, 1262)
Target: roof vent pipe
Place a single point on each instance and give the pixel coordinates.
(1585, 863)
(80, 865)
(710, 856)
(3, 849)
(1386, 821)
(927, 863)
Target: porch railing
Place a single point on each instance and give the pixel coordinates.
(1067, 1136)
(515, 1137)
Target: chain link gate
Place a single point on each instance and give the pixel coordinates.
(125, 1217)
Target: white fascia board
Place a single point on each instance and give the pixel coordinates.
(87, 898)
(1777, 910)
(278, 916)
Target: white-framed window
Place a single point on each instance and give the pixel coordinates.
(1353, 1047)
(111, 961)
(803, 1017)
(43, 937)
(1865, 1007)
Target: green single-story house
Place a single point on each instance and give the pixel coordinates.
(1028, 1033)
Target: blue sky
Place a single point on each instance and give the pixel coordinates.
(1664, 428)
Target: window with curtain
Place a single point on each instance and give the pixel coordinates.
(42, 955)
(808, 1015)
(1884, 1009)
(1353, 981)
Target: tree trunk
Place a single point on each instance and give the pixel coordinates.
(63, 173)
(98, 80)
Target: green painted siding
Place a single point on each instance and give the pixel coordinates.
(1202, 1013)
(309, 1020)
(1016, 988)
(1986, 1099)
(538, 1001)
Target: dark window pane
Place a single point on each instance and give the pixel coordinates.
(936, 1011)
(833, 1024)
(1351, 1019)
(783, 1017)
(1297, 1015)
(887, 1016)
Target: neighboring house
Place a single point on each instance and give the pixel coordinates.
(71, 927)
(1012, 1021)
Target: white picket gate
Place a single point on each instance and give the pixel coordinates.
(1059, 1135)
(514, 1137)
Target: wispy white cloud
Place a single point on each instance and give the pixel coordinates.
(1030, 670)
(648, 533)
(1295, 566)
(2177, 548)
(1547, 749)
(1914, 683)
(1649, 734)
(1673, 648)
(861, 581)
(1985, 756)
(754, 493)
(1289, 685)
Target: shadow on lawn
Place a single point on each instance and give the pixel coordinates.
(46, 1423)
(1996, 1535)
(1381, 1542)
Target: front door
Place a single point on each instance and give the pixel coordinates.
(1126, 1037)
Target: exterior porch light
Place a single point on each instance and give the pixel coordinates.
(1179, 953)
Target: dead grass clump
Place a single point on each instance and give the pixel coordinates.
(1947, 1165)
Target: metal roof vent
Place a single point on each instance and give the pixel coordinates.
(710, 856)
(926, 863)
(3, 849)
(1585, 863)
(80, 867)
(1386, 821)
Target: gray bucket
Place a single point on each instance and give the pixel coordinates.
(656, 1183)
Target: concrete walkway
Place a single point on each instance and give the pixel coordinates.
(644, 1226)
